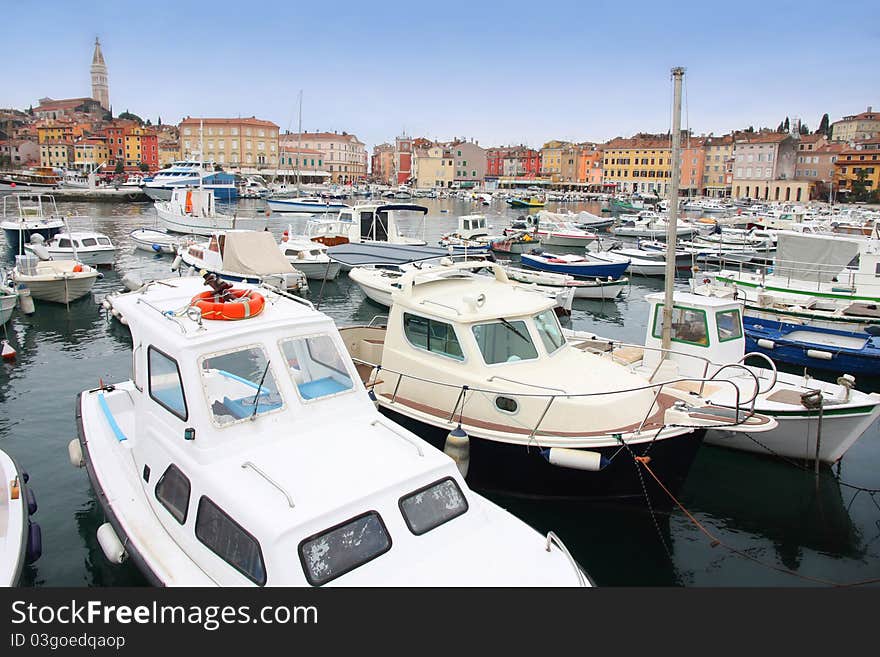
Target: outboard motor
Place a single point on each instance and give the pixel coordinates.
(38, 247)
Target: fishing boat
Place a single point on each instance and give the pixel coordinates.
(193, 211)
(185, 174)
(20, 538)
(472, 233)
(709, 340)
(88, 247)
(34, 179)
(579, 266)
(582, 220)
(242, 256)
(514, 242)
(59, 281)
(154, 240)
(308, 257)
(304, 204)
(247, 453)
(834, 350)
(597, 288)
(482, 358)
(29, 214)
(526, 202)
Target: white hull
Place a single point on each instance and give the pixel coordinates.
(96, 258)
(319, 270)
(647, 268)
(282, 206)
(564, 240)
(59, 289)
(13, 525)
(208, 225)
(7, 305)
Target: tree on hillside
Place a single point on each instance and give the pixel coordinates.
(160, 121)
(781, 127)
(31, 110)
(824, 127)
(751, 128)
(787, 126)
(131, 117)
(804, 130)
(149, 122)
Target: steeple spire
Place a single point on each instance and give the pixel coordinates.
(100, 85)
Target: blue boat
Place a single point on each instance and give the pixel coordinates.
(820, 348)
(574, 265)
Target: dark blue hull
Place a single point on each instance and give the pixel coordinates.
(612, 270)
(14, 238)
(518, 471)
(771, 338)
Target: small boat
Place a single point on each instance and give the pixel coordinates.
(35, 179)
(472, 233)
(574, 265)
(248, 453)
(304, 204)
(59, 281)
(242, 256)
(552, 233)
(514, 242)
(193, 211)
(88, 247)
(190, 174)
(637, 265)
(20, 537)
(309, 257)
(650, 224)
(8, 301)
(530, 202)
(583, 289)
(582, 220)
(834, 350)
(29, 214)
(154, 240)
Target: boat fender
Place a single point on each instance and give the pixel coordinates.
(34, 548)
(110, 544)
(77, 268)
(766, 344)
(132, 282)
(577, 459)
(75, 453)
(25, 301)
(458, 448)
(31, 501)
(175, 264)
(156, 247)
(821, 355)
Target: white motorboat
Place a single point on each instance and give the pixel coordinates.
(154, 240)
(309, 257)
(304, 204)
(244, 256)
(20, 537)
(553, 233)
(652, 225)
(59, 281)
(708, 341)
(190, 174)
(638, 266)
(248, 453)
(193, 211)
(584, 220)
(378, 283)
(29, 214)
(598, 288)
(480, 356)
(86, 246)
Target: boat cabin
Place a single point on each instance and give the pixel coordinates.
(376, 222)
(472, 225)
(193, 201)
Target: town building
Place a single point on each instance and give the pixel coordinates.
(764, 167)
(403, 160)
(513, 162)
(69, 108)
(247, 144)
(343, 154)
(551, 159)
(858, 164)
(303, 164)
(434, 166)
(382, 164)
(56, 155)
(718, 166)
(90, 153)
(857, 127)
(693, 156)
(100, 82)
(638, 164)
(589, 165)
(19, 153)
(470, 163)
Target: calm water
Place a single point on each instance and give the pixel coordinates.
(768, 510)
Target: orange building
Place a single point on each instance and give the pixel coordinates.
(590, 165)
(693, 157)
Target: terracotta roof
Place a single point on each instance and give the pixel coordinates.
(64, 103)
(241, 121)
(293, 148)
(320, 136)
(640, 143)
(724, 140)
(864, 116)
(832, 148)
(813, 138)
(762, 137)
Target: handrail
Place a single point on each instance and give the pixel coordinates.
(769, 361)
(524, 383)
(248, 464)
(373, 423)
(553, 538)
(375, 317)
(164, 314)
(287, 295)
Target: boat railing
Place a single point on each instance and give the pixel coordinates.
(553, 539)
(743, 411)
(845, 277)
(279, 487)
(287, 295)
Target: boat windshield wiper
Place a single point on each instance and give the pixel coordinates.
(513, 328)
(256, 401)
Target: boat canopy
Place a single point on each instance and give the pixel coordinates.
(813, 257)
(253, 252)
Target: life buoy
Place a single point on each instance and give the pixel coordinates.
(188, 206)
(247, 304)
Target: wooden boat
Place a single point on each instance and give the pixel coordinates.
(574, 265)
(531, 202)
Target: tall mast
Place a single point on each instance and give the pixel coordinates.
(299, 155)
(672, 218)
(201, 150)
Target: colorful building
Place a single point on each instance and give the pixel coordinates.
(862, 160)
(589, 168)
(764, 167)
(343, 154)
(693, 156)
(382, 164)
(857, 127)
(90, 153)
(718, 166)
(470, 163)
(638, 164)
(434, 167)
(248, 144)
(403, 160)
(551, 159)
(513, 162)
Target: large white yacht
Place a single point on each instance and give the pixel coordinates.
(248, 453)
(190, 173)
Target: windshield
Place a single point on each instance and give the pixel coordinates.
(504, 342)
(316, 366)
(239, 385)
(549, 330)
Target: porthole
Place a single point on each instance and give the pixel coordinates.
(506, 404)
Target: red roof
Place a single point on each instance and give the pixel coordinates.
(241, 121)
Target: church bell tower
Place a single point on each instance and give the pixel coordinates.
(100, 87)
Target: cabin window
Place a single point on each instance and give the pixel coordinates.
(103, 241)
(549, 330)
(432, 335)
(172, 491)
(165, 385)
(342, 548)
(239, 385)
(688, 325)
(316, 366)
(504, 342)
(229, 541)
(729, 325)
(89, 241)
(63, 244)
(433, 505)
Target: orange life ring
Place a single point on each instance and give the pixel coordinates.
(247, 304)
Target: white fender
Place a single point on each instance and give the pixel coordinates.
(110, 544)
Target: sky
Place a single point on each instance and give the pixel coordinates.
(496, 72)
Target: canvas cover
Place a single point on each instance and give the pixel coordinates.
(254, 252)
(813, 257)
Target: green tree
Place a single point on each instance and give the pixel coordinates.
(31, 110)
(143, 166)
(780, 127)
(824, 127)
(131, 117)
(149, 122)
(120, 167)
(804, 130)
(786, 126)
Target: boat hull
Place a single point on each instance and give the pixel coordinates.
(520, 471)
(581, 270)
(208, 225)
(60, 289)
(17, 238)
(13, 547)
(282, 206)
(318, 270)
(7, 305)
(221, 192)
(555, 239)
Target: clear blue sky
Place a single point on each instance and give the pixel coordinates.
(500, 72)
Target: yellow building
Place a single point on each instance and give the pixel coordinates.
(857, 126)
(56, 154)
(90, 153)
(863, 160)
(169, 151)
(551, 159)
(249, 144)
(638, 164)
(433, 167)
(132, 145)
(718, 166)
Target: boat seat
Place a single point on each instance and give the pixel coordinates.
(321, 387)
(628, 355)
(244, 407)
(371, 350)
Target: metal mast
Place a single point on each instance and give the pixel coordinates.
(672, 218)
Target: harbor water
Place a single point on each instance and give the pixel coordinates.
(744, 520)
